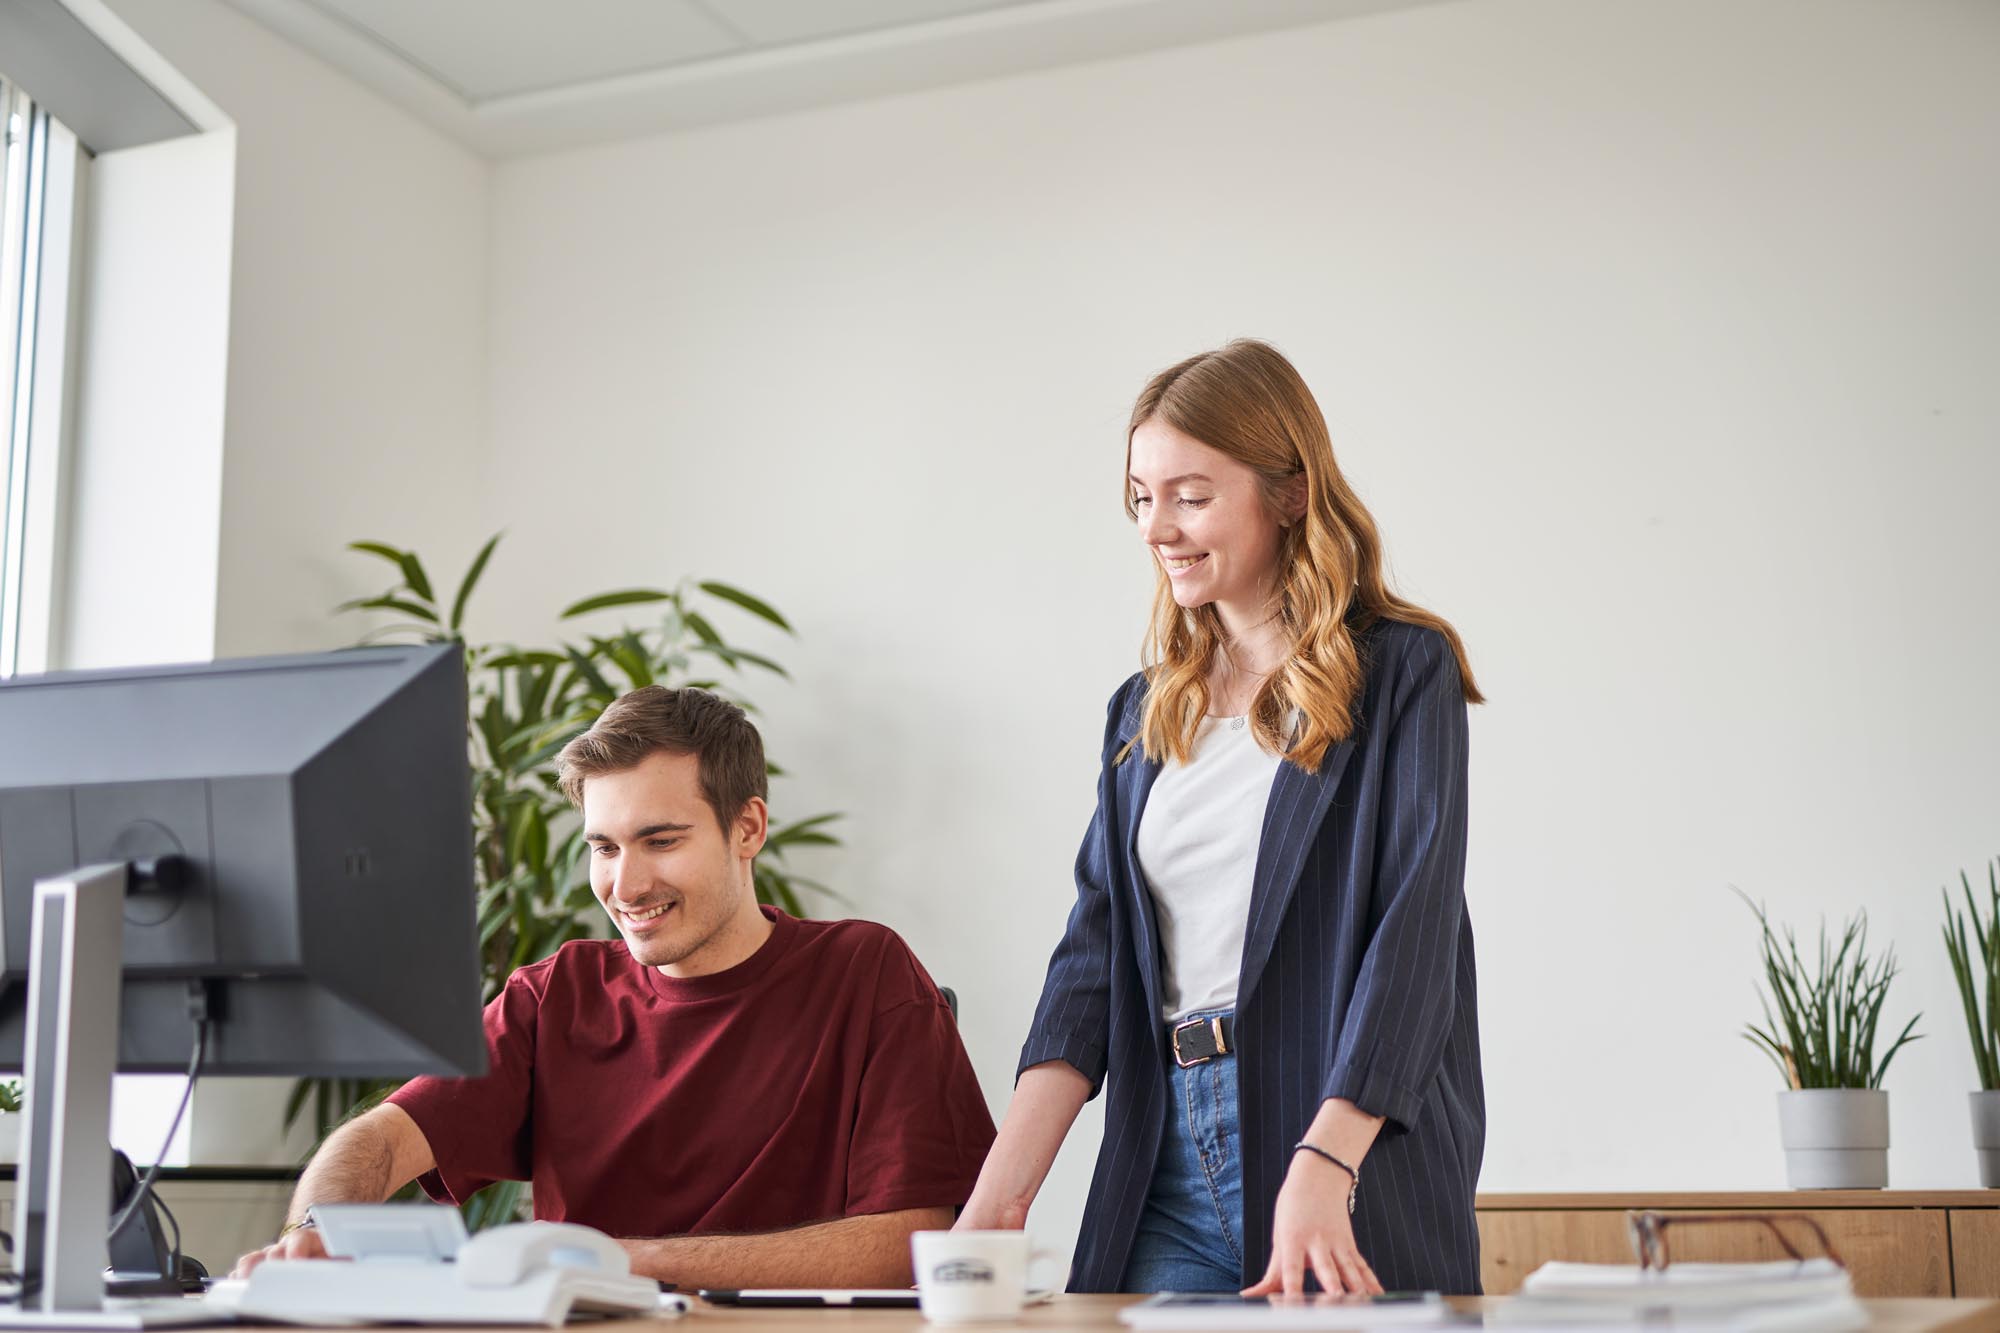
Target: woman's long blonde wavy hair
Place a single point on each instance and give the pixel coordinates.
(1248, 402)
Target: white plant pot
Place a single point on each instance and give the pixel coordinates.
(1835, 1138)
(10, 1137)
(1986, 1136)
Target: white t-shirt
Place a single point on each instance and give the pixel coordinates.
(1198, 840)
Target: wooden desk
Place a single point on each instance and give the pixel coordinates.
(1098, 1314)
(1895, 1242)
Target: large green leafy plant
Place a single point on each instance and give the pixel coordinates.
(526, 703)
(1823, 1032)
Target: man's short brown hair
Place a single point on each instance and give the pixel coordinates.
(655, 719)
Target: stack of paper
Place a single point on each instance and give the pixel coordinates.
(1750, 1298)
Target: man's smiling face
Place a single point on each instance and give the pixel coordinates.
(676, 882)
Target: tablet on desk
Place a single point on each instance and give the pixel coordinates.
(1191, 1311)
(859, 1298)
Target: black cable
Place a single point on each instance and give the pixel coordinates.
(144, 1189)
(202, 1007)
(173, 1255)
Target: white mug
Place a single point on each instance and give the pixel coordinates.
(967, 1276)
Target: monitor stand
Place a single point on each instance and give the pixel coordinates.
(62, 1210)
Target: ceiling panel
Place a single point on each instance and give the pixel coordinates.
(511, 77)
(775, 22)
(493, 48)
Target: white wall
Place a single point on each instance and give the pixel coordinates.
(355, 373)
(147, 460)
(1659, 336)
(356, 356)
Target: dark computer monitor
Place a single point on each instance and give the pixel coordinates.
(321, 804)
(266, 862)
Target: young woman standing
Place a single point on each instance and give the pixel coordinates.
(1269, 963)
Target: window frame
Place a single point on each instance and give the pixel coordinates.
(42, 170)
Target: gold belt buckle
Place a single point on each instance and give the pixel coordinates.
(1214, 1026)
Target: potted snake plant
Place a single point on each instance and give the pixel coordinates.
(1833, 1115)
(1980, 977)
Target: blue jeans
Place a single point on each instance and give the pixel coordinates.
(1191, 1233)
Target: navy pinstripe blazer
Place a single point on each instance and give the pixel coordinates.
(1357, 980)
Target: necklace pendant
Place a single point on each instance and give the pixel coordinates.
(1238, 723)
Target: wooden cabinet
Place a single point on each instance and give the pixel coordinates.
(1975, 1251)
(1895, 1242)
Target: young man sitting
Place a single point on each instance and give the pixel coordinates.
(745, 1099)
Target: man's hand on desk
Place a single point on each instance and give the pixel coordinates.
(303, 1243)
(364, 1161)
(867, 1250)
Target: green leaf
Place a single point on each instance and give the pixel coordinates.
(390, 603)
(814, 822)
(781, 843)
(535, 686)
(297, 1101)
(737, 656)
(496, 1205)
(1757, 1037)
(754, 605)
(773, 888)
(628, 653)
(413, 574)
(511, 661)
(586, 671)
(471, 580)
(629, 597)
(394, 555)
(704, 631)
(1992, 960)
(528, 838)
(1883, 1068)
(546, 752)
(406, 563)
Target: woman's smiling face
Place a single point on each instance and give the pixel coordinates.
(1203, 516)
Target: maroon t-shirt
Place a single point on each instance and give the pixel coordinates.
(822, 1077)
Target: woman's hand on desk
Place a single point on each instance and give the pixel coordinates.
(1311, 1229)
(1047, 1098)
(303, 1243)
